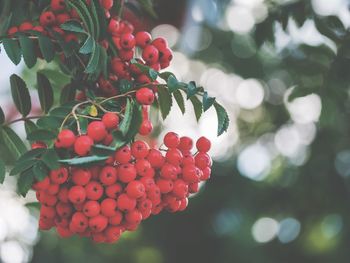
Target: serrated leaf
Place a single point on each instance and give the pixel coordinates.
(136, 122)
(20, 95)
(30, 126)
(126, 122)
(41, 135)
(50, 159)
(28, 50)
(67, 94)
(173, 83)
(49, 122)
(165, 101)
(125, 85)
(13, 50)
(25, 182)
(94, 59)
(22, 166)
(45, 92)
(180, 100)
(73, 26)
(13, 142)
(84, 160)
(2, 171)
(40, 171)
(197, 106)
(207, 101)
(47, 48)
(2, 116)
(88, 46)
(223, 119)
(95, 18)
(191, 89)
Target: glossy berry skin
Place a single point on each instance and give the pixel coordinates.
(59, 176)
(145, 96)
(160, 43)
(47, 19)
(168, 171)
(82, 145)
(155, 158)
(174, 156)
(171, 140)
(203, 144)
(65, 139)
(165, 186)
(191, 174)
(202, 160)
(126, 203)
(133, 217)
(94, 190)
(110, 120)
(77, 194)
(113, 191)
(139, 149)
(180, 189)
(108, 175)
(116, 219)
(109, 207)
(127, 41)
(98, 223)
(126, 172)
(142, 167)
(186, 143)
(91, 208)
(135, 189)
(150, 54)
(143, 39)
(58, 5)
(81, 177)
(96, 130)
(146, 127)
(165, 55)
(123, 155)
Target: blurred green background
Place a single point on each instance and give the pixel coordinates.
(279, 192)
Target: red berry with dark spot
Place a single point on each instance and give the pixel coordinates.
(59, 176)
(160, 43)
(109, 207)
(96, 130)
(145, 96)
(203, 144)
(110, 120)
(127, 41)
(82, 145)
(91, 208)
(186, 143)
(123, 155)
(58, 5)
(139, 149)
(47, 19)
(143, 38)
(126, 203)
(146, 127)
(65, 139)
(81, 176)
(150, 54)
(155, 158)
(94, 190)
(126, 172)
(98, 223)
(108, 175)
(135, 189)
(77, 194)
(171, 140)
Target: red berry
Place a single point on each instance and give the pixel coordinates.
(63, 232)
(154, 195)
(77, 194)
(47, 212)
(186, 143)
(79, 222)
(145, 96)
(160, 43)
(81, 176)
(126, 172)
(110, 120)
(143, 38)
(133, 217)
(106, 4)
(82, 145)
(112, 233)
(165, 186)
(62, 18)
(127, 41)
(165, 55)
(148, 182)
(47, 19)
(126, 203)
(206, 173)
(38, 145)
(66, 139)
(109, 207)
(144, 205)
(171, 140)
(146, 127)
(112, 191)
(168, 171)
(53, 189)
(150, 54)
(64, 210)
(63, 195)
(155, 158)
(193, 188)
(126, 55)
(96, 130)
(174, 156)
(202, 160)
(98, 223)
(108, 175)
(139, 149)
(203, 144)
(25, 26)
(191, 174)
(58, 5)
(59, 176)
(188, 159)
(180, 189)
(12, 30)
(94, 191)
(91, 208)
(98, 237)
(135, 189)
(116, 219)
(142, 167)
(183, 205)
(123, 155)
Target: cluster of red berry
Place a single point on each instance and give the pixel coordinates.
(103, 201)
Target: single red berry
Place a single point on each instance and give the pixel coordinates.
(119, 68)
(126, 203)
(165, 186)
(66, 138)
(133, 217)
(64, 210)
(143, 38)
(164, 65)
(94, 190)
(150, 54)
(96, 130)
(63, 232)
(47, 19)
(155, 158)
(193, 188)
(148, 182)
(174, 156)
(112, 191)
(25, 26)
(127, 172)
(135, 189)
(107, 4)
(180, 189)
(53, 189)
(146, 127)
(62, 18)
(191, 174)
(145, 96)
(160, 43)
(38, 145)
(203, 144)
(186, 143)
(127, 41)
(126, 54)
(109, 207)
(116, 219)
(108, 175)
(139, 149)
(47, 212)
(79, 221)
(123, 155)
(113, 27)
(59, 176)
(110, 120)
(91, 208)
(58, 5)
(173, 205)
(82, 145)
(12, 30)
(144, 205)
(154, 195)
(112, 233)
(165, 55)
(77, 194)
(70, 37)
(142, 167)
(188, 159)
(49, 200)
(63, 195)
(81, 176)
(206, 173)
(143, 79)
(171, 140)
(202, 160)
(98, 223)
(168, 171)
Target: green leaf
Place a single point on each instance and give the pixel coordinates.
(136, 122)
(41, 135)
(50, 159)
(49, 122)
(67, 94)
(94, 59)
(125, 85)
(207, 101)
(152, 74)
(13, 50)
(83, 124)
(84, 160)
(40, 171)
(191, 89)
(126, 122)
(165, 101)
(22, 166)
(197, 106)
(20, 95)
(2, 171)
(88, 46)
(7, 22)
(73, 26)
(28, 50)
(60, 112)
(13, 142)
(47, 48)
(103, 150)
(83, 12)
(95, 18)
(25, 182)
(45, 92)
(223, 119)
(147, 6)
(173, 83)
(180, 100)
(2, 116)
(35, 205)
(119, 139)
(30, 126)
(31, 154)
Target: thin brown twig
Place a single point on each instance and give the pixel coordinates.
(24, 119)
